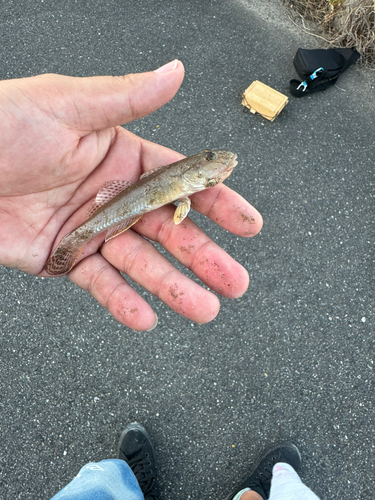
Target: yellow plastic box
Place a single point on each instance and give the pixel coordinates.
(266, 101)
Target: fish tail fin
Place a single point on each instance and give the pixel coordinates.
(62, 260)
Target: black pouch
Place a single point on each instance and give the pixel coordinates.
(319, 68)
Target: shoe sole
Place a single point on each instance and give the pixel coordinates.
(258, 462)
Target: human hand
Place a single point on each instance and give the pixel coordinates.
(60, 141)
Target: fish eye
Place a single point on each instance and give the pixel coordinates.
(210, 156)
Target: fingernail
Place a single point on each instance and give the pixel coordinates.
(154, 326)
(167, 67)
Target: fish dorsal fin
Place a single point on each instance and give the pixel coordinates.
(149, 172)
(120, 228)
(106, 193)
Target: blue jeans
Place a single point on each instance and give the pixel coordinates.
(106, 480)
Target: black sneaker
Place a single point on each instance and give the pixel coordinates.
(136, 449)
(260, 479)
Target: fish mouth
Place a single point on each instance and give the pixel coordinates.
(232, 162)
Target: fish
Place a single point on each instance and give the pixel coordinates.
(120, 204)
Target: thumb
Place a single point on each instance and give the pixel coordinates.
(106, 101)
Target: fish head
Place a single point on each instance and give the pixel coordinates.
(209, 168)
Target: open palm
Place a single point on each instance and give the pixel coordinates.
(60, 141)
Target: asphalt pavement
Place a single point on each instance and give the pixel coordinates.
(293, 359)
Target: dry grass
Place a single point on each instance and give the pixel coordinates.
(339, 26)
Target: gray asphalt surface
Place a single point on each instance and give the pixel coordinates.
(293, 359)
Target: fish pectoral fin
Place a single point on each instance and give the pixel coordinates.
(182, 210)
(120, 228)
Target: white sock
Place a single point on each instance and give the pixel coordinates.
(287, 485)
(239, 494)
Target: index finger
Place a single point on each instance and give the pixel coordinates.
(229, 210)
